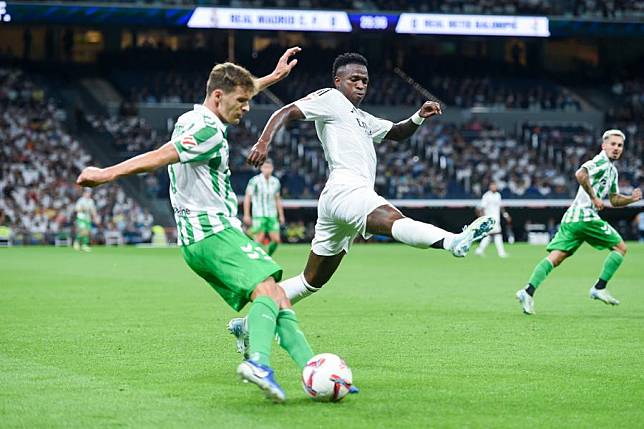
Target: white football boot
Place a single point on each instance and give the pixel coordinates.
(239, 328)
(473, 232)
(527, 302)
(603, 295)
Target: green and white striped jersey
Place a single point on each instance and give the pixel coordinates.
(203, 200)
(263, 194)
(603, 179)
(85, 208)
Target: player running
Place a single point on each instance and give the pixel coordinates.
(268, 214)
(85, 213)
(580, 223)
(491, 205)
(205, 209)
(348, 205)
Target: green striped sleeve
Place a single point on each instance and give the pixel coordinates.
(199, 146)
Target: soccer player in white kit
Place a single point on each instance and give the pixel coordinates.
(348, 205)
(492, 205)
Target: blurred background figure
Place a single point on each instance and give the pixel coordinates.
(85, 213)
(491, 205)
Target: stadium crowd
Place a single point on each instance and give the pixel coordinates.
(39, 167)
(386, 88)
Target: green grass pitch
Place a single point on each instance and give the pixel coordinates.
(127, 337)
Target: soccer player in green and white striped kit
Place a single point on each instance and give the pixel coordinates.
(263, 191)
(581, 223)
(205, 209)
(85, 213)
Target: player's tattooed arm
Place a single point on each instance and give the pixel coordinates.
(584, 180)
(619, 200)
(282, 69)
(149, 161)
(281, 117)
(404, 129)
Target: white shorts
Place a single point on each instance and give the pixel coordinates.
(342, 215)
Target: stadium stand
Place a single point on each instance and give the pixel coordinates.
(40, 165)
(615, 9)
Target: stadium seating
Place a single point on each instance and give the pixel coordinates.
(42, 163)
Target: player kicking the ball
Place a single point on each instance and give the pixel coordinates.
(205, 209)
(348, 205)
(581, 223)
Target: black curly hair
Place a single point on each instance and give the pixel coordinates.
(348, 58)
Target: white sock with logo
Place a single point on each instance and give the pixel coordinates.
(419, 234)
(297, 288)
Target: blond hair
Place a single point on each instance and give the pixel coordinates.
(227, 77)
(613, 132)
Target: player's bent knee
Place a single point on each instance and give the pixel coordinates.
(621, 248)
(270, 289)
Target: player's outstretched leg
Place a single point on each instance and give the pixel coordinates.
(262, 323)
(611, 264)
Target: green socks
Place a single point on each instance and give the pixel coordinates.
(292, 339)
(540, 272)
(262, 319)
(611, 264)
(272, 246)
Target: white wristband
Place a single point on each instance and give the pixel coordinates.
(417, 119)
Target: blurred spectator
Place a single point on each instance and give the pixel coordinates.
(40, 165)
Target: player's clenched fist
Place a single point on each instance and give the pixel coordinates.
(92, 176)
(257, 154)
(430, 108)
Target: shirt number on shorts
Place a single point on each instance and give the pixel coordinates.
(255, 252)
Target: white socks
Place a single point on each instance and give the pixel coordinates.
(297, 288)
(498, 242)
(419, 234)
(482, 245)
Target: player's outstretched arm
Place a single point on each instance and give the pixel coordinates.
(404, 129)
(584, 180)
(282, 69)
(281, 117)
(149, 161)
(619, 200)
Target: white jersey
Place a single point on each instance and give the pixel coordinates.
(491, 205)
(263, 193)
(603, 179)
(202, 198)
(347, 134)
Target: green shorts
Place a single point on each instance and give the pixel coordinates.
(232, 264)
(83, 225)
(265, 224)
(571, 235)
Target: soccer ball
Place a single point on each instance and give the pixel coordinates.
(326, 378)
